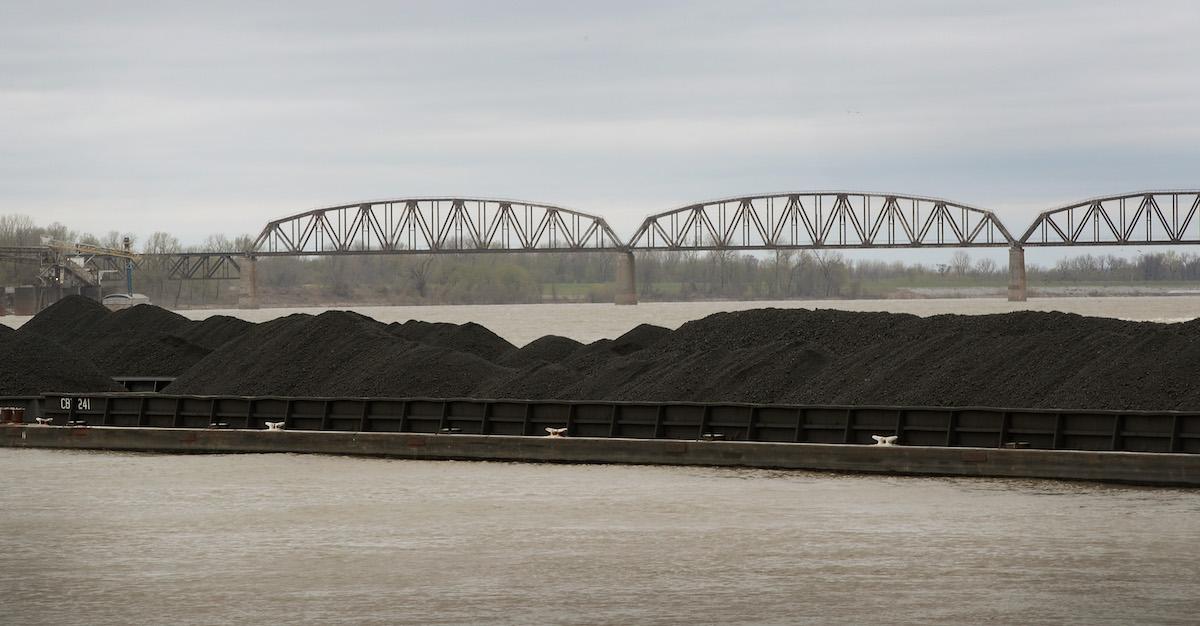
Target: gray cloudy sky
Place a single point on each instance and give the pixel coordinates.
(202, 117)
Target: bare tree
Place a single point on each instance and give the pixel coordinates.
(419, 271)
(830, 263)
(17, 230)
(960, 263)
(985, 266)
(161, 243)
(218, 242)
(62, 233)
(782, 267)
(720, 258)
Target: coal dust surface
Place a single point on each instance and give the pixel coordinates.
(784, 356)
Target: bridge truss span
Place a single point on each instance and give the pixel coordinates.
(1141, 218)
(176, 265)
(822, 219)
(424, 225)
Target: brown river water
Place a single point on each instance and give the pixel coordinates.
(107, 538)
(522, 323)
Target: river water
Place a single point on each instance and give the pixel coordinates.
(106, 538)
(522, 323)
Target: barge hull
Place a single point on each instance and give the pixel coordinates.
(1122, 467)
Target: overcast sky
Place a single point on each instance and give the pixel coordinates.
(203, 117)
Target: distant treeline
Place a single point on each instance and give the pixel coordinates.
(558, 277)
(549, 277)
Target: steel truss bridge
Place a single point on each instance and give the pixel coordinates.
(807, 220)
(798, 220)
(432, 225)
(822, 219)
(1142, 218)
(179, 265)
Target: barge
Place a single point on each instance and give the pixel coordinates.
(1117, 446)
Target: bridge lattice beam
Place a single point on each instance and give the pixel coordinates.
(423, 225)
(177, 265)
(820, 220)
(1141, 218)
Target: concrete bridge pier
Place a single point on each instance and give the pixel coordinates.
(248, 296)
(1017, 285)
(626, 280)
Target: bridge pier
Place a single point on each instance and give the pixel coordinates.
(1017, 285)
(626, 292)
(248, 283)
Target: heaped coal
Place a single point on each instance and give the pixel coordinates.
(141, 341)
(142, 318)
(469, 337)
(1026, 359)
(31, 364)
(67, 319)
(144, 340)
(547, 349)
(213, 332)
(336, 353)
(791, 356)
(641, 337)
(143, 353)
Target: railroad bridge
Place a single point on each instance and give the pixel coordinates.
(805, 220)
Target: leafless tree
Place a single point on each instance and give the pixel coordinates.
(960, 263)
(419, 271)
(985, 266)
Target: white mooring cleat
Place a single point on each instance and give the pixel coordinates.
(44, 421)
(880, 440)
(556, 432)
(274, 425)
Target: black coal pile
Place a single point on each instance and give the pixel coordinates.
(1024, 359)
(143, 340)
(547, 349)
(469, 337)
(336, 353)
(792, 356)
(141, 318)
(66, 320)
(213, 332)
(641, 337)
(32, 365)
(142, 353)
